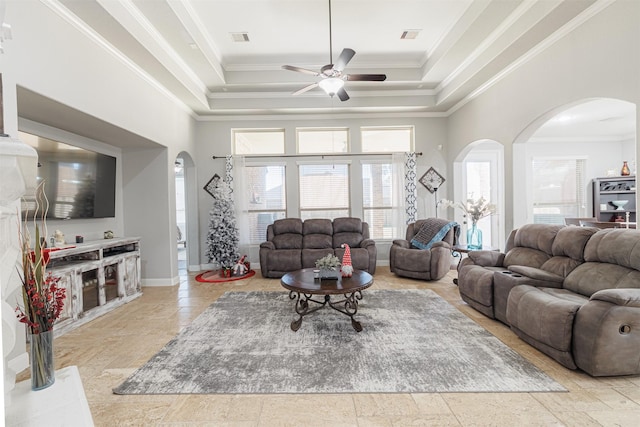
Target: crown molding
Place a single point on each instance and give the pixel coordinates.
(590, 12)
(78, 24)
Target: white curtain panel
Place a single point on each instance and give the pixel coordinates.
(236, 170)
(399, 216)
(411, 191)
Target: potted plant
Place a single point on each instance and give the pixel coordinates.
(329, 266)
(42, 299)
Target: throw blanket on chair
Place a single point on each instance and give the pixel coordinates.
(433, 230)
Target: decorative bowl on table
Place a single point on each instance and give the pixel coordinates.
(619, 204)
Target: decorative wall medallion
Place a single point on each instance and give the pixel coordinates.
(212, 184)
(432, 180)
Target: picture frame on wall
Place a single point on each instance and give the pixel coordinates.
(432, 180)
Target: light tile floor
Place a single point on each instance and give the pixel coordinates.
(109, 348)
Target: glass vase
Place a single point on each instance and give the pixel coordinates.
(474, 237)
(42, 366)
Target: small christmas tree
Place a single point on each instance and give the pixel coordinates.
(222, 238)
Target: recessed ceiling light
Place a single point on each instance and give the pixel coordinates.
(409, 34)
(240, 37)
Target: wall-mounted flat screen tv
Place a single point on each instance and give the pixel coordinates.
(78, 183)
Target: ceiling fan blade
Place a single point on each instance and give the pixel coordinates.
(342, 94)
(306, 88)
(300, 70)
(367, 77)
(344, 59)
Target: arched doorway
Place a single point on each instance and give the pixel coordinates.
(186, 213)
(559, 154)
(479, 169)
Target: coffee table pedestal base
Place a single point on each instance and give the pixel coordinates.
(348, 306)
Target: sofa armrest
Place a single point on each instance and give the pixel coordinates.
(267, 245)
(606, 333)
(402, 243)
(367, 242)
(441, 244)
(487, 258)
(622, 296)
(540, 277)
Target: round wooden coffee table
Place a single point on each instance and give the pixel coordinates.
(303, 286)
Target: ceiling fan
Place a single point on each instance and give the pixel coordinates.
(332, 75)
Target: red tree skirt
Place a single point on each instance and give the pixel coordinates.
(215, 276)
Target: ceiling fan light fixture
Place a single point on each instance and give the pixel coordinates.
(331, 85)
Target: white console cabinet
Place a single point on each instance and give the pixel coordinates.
(98, 276)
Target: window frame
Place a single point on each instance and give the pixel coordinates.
(235, 131)
(410, 128)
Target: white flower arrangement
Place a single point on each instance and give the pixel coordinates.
(328, 262)
(473, 209)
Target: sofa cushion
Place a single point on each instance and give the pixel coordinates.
(284, 260)
(571, 241)
(525, 256)
(542, 316)
(350, 225)
(318, 234)
(287, 233)
(592, 277)
(287, 225)
(537, 236)
(560, 266)
(615, 246)
(310, 256)
(533, 245)
(349, 231)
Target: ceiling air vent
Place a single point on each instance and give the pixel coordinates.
(409, 34)
(240, 37)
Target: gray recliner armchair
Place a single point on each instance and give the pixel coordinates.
(432, 263)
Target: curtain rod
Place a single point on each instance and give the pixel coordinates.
(313, 155)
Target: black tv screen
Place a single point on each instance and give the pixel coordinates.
(78, 183)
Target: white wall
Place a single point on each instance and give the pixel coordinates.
(598, 59)
(49, 56)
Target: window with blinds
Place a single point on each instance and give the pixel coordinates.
(377, 177)
(377, 199)
(324, 190)
(267, 198)
(558, 190)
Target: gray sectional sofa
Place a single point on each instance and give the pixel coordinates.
(293, 244)
(571, 292)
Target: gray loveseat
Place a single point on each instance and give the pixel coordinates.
(293, 244)
(571, 292)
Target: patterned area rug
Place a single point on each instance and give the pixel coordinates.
(413, 342)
